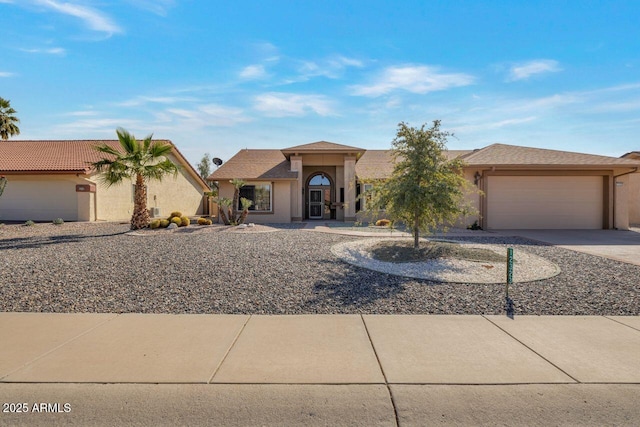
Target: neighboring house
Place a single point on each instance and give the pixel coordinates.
(54, 179)
(522, 187)
(634, 191)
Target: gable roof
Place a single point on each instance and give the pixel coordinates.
(255, 164)
(67, 157)
(631, 155)
(378, 164)
(323, 147)
(513, 155)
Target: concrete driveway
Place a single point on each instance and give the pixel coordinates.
(618, 245)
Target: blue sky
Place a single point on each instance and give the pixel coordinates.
(217, 76)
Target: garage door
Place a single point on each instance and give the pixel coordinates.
(537, 202)
(42, 200)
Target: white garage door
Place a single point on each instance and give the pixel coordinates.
(537, 202)
(43, 200)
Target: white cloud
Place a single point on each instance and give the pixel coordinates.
(205, 116)
(6, 74)
(92, 18)
(159, 7)
(528, 69)
(412, 78)
(332, 68)
(282, 104)
(142, 100)
(252, 72)
(48, 51)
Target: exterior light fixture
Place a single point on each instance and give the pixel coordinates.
(476, 178)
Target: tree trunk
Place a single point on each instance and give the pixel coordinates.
(140, 217)
(223, 215)
(234, 207)
(243, 216)
(416, 231)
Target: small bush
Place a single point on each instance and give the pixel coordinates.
(202, 221)
(29, 223)
(164, 223)
(184, 221)
(176, 213)
(209, 222)
(383, 223)
(474, 226)
(58, 221)
(176, 220)
(155, 224)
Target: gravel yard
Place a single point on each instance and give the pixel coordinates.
(88, 267)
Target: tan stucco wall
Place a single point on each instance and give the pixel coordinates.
(181, 193)
(280, 198)
(621, 188)
(41, 198)
(634, 199)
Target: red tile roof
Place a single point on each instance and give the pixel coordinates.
(73, 156)
(50, 156)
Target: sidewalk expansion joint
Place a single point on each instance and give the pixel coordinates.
(384, 375)
(46, 353)
(533, 351)
(215, 371)
(623, 324)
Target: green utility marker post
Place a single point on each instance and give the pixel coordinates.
(508, 301)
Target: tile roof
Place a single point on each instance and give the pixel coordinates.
(50, 156)
(322, 146)
(513, 155)
(378, 164)
(72, 156)
(255, 164)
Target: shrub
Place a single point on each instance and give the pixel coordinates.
(155, 224)
(202, 221)
(474, 226)
(29, 223)
(176, 220)
(58, 221)
(209, 222)
(184, 221)
(383, 223)
(164, 223)
(176, 213)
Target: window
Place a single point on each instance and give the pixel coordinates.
(259, 194)
(320, 180)
(366, 195)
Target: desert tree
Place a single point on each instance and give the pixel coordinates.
(426, 189)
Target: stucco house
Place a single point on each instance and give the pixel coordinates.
(54, 179)
(522, 187)
(634, 191)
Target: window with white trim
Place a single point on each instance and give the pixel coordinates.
(366, 195)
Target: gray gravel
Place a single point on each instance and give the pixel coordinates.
(100, 268)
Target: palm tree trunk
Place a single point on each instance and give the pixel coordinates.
(140, 217)
(234, 207)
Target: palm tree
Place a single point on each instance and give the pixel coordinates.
(8, 121)
(140, 160)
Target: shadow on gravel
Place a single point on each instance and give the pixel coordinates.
(355, 287)
(37, 242)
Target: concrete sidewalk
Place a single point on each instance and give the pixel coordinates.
(320, 369)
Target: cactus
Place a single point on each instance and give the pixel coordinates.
(164, 223)
(155, 224)
(176, 220)
(185, 221)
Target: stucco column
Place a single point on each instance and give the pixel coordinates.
(297, 199)
(349, 188)
(621, 189)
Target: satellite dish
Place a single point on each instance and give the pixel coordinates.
(217, 161)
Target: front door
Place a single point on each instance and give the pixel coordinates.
(316, 204)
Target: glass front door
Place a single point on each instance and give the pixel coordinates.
(316, 204)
